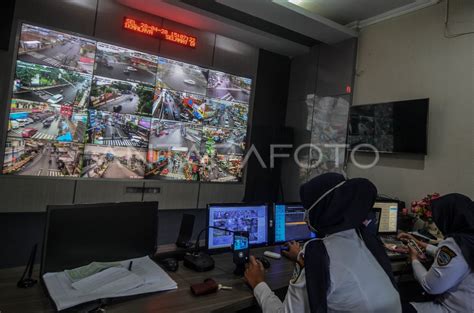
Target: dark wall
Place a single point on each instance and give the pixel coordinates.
(19, 232)
(268, 125)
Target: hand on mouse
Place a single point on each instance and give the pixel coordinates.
(254, 273)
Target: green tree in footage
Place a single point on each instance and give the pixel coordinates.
(145, 95)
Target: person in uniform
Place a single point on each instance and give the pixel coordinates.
(451, 276)
(346, 268)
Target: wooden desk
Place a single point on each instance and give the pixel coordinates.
(16, 300)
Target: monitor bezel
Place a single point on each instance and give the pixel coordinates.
(274, 222)
(398, 219)
(242, 204)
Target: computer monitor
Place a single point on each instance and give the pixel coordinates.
(77, 235)
(242, 217)
(388, 221)
(289, 223)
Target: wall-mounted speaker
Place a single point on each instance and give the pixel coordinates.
(7, 9)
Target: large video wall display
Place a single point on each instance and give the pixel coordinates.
(82, 108)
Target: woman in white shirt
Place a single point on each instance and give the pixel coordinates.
(346, 268)
(451, 276)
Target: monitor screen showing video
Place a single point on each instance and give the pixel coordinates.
(242, 217)
(290, 223)
(90, 109)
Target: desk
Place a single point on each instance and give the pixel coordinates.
(16, 300)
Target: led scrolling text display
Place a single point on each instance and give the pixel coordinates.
(159, 32)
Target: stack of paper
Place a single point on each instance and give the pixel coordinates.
(74, 287)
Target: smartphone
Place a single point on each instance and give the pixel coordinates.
(240, 247)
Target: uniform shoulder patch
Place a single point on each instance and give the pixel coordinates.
(445, 255)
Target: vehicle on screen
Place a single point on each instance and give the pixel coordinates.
(28, 132)
(56, 99)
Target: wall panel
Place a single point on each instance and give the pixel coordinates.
(96, 191)
(215, 193)
(173, 195)
(33, 194)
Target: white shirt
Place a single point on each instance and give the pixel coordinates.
(450, 277)
(357, 282)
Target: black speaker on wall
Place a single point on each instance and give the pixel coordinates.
(6, 20)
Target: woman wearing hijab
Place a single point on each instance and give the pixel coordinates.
(346, 268)
(451, 275)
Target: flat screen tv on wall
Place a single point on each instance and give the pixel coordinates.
(392, 127)
(83, 108)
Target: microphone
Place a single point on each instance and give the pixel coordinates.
(201, 261)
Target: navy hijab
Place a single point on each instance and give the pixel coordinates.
(343, 208)
(454, 216)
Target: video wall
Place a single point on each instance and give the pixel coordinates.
(83, 108)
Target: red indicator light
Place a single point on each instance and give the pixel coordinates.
(348, 89)
(151, 30)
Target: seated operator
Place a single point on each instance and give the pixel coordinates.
(346, 268)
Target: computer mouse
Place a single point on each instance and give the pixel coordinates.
(170, 264)
(264, 261)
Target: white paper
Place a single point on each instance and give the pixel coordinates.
(65, 296)
(113, 279)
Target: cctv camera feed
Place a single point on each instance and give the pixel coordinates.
(389, 127)
(45, 121)
(178, 106)
(113, 162)
(174, 163)
(84, 108)
(228, 87)
(221, 113)
(47, 47)
(165, 134)
(52, 85)
(221, 168)
(25, 156)
(252, 219)
(121, 97)
(181, 76)
(223, 140)
(114, 129)
(290, 223)
(125, 64)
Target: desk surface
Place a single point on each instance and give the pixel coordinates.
(13, 299)
(16, 300)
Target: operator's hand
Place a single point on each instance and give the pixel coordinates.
(413, 253)
(294, 249)
(254, 273)
(407, 237)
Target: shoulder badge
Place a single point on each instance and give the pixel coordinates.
(445, 255)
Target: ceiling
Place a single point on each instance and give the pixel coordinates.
(288, 27)
(347, 11)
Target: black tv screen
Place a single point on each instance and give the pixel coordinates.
(82, 108)
(390, 127)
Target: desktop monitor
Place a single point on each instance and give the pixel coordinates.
(388, 220)
(252, 218)
(289, 223)
(77, 235)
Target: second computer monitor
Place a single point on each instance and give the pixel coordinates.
(242, 217)
(290, 223)
(388, 221)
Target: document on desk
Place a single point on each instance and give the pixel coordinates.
(113, 282)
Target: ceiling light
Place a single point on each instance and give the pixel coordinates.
(297, 2)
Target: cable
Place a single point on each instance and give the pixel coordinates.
(446, 27)
(197, 246)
